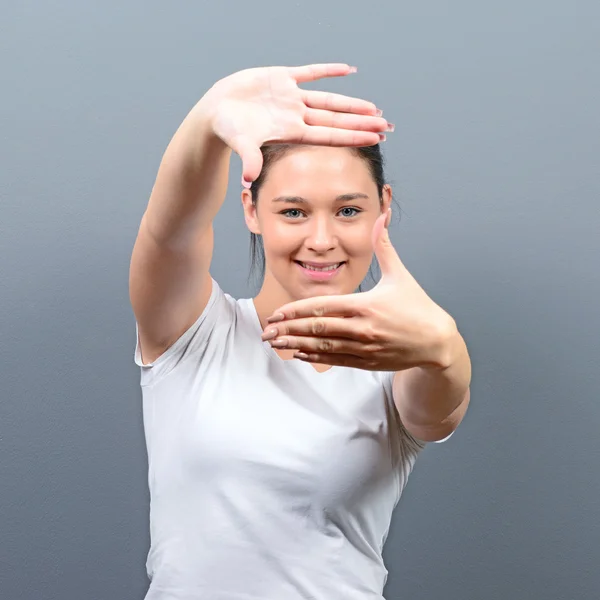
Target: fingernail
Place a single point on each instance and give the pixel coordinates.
(382, 137)
(246, 184)
(301, 355)
(353, 69)
(269, 334)
(279, 343)
(276, 317)
(379, 113)
(391, 127)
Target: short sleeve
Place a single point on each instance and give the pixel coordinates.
(218, 312)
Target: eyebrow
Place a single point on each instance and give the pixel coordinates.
(340, 198)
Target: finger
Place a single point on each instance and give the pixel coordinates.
(328, 136)
(337, 360)
(339, 103)
(252, 160)
(327, 118)
(347, 305)
(319, 71)
(387, 257)
(321, 345)
(350, 328)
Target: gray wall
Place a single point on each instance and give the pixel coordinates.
(495, 164)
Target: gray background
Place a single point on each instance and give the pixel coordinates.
(495, 164)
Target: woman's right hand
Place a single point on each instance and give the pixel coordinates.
(265, 105)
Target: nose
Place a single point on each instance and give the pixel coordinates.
(321, 237)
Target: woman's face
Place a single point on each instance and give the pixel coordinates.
(315, 213)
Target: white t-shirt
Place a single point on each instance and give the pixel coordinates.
(268, 480)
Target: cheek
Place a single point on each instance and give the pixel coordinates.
(280, 239)
(357, 241)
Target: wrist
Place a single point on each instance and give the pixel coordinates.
(446, 349)
(196, 137)
(201, 119)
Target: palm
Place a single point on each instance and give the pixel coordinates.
(265, 105)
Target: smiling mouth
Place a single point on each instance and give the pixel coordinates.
(320, 268)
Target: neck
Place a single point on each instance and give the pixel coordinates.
(270, 298)
(266, 302)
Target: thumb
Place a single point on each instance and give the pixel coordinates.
(389, 261)
(252, 160)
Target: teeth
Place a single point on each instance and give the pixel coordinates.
(331, 268)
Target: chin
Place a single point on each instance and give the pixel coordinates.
(323, 289)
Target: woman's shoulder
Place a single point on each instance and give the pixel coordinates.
(221, 318)
(234, 316)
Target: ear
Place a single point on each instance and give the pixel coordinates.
(250, 213)
(386, 193)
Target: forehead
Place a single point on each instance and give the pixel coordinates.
(309, 169)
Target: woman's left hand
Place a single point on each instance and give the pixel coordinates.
(394, 326)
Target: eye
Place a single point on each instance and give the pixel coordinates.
(349, 211)
(292, 213)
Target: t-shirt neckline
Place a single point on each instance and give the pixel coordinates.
(272, 354)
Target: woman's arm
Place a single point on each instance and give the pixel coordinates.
(432, 401)
(169, 278)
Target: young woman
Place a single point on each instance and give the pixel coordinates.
(281, 430)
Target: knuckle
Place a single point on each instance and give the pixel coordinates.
(370, 333)
(318, 326)
(371, 349)
(325, 345)
(319, 311)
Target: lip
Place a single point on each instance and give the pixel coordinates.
(320, 275)
(319, 264)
